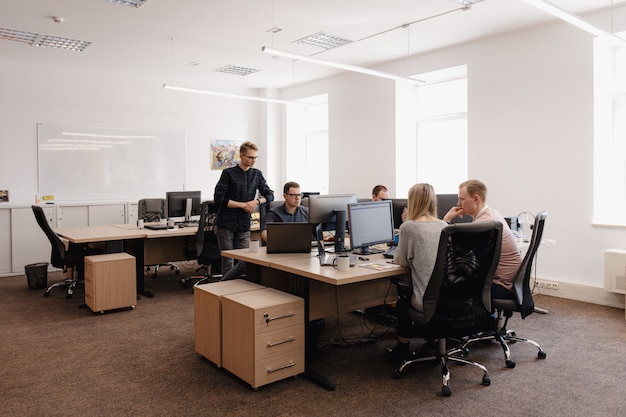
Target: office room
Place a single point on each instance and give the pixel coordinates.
(532, 127)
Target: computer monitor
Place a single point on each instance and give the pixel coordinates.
(331, 211)
(445, 202)
(398, 205)
(183, 204)
(370, 223)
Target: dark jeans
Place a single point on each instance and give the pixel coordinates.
(229, 239)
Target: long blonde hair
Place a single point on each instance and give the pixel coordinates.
(422, 201)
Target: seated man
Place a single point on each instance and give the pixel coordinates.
(473, 202)
(380, 193)
(289, 211)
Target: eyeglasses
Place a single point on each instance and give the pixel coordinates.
(252, 158)
(295, 195)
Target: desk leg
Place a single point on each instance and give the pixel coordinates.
(310, 344)
(139, 263)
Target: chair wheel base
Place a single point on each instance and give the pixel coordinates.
(510, 364)
(445, 391)
(541, 354)
(486, 380)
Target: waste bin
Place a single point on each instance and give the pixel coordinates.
(37, 275)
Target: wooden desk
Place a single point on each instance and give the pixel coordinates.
(134, 239)
(325, 290)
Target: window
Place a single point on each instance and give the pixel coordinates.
(437, 147)
(609, 134)
(307, 145)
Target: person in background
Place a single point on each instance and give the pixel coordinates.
(417, 249)
(473, 202)
(379, 193)
(290, 211)
(236, 198)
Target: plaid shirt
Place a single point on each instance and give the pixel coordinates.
(238, 185)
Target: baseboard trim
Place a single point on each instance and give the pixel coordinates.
(593, 295)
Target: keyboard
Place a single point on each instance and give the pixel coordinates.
(187, 224)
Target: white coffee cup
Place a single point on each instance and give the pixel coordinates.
(170, 223)
(140, 223)
(163, 222)
(342, 262)
(254, 246)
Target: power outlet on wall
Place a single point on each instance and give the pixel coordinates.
(550, 285)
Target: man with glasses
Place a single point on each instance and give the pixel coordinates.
(291, 211)
(236, 198)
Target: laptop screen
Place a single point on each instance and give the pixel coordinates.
(286, 237)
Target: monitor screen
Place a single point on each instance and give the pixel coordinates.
(183, 204)
(332, 212)
(398, 205)
(370, 223)
(444, 203)
(323, 208)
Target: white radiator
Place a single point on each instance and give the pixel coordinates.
(615, 270)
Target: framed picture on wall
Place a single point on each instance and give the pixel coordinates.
(224, 153)
(4, 196)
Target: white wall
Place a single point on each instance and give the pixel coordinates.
(530, 136)
(32, 93)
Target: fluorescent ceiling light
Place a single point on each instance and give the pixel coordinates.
(38, 39)
(577, 21)
(323, 40)
(230, 95)
(346, 67)
(131, 3)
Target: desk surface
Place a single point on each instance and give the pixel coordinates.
(104, 233)
(307, 265)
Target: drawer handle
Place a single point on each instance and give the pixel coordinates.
(291, 339)
(289, 365)
(284, 316)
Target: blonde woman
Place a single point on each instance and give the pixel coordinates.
(417, 249)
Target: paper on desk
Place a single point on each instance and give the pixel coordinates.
(378, 266)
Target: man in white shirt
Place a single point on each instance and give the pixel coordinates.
(473, 202)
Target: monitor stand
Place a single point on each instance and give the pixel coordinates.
(341, 217)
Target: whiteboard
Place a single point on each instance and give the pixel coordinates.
(94, 163)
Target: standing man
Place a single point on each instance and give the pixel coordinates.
(291, 211)
(236, 198)
(473, 202)
(380, 193)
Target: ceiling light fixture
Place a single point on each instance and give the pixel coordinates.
(577, 21)
(131, 3)
(230, 95)
(338, 65)
(38, 39)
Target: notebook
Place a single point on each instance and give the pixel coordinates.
(287, 237)
(326, 259)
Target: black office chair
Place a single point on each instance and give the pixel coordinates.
(72, 258)
(207, 250)
(523, 301)
(153, 210)
(457, 297)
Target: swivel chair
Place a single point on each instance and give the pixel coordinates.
(152, 210)
(522, 303)
(207, 250)
(72, 258)
(457, 298)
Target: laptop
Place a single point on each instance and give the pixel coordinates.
(288, 237)
(156, 226)
(326, 259)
